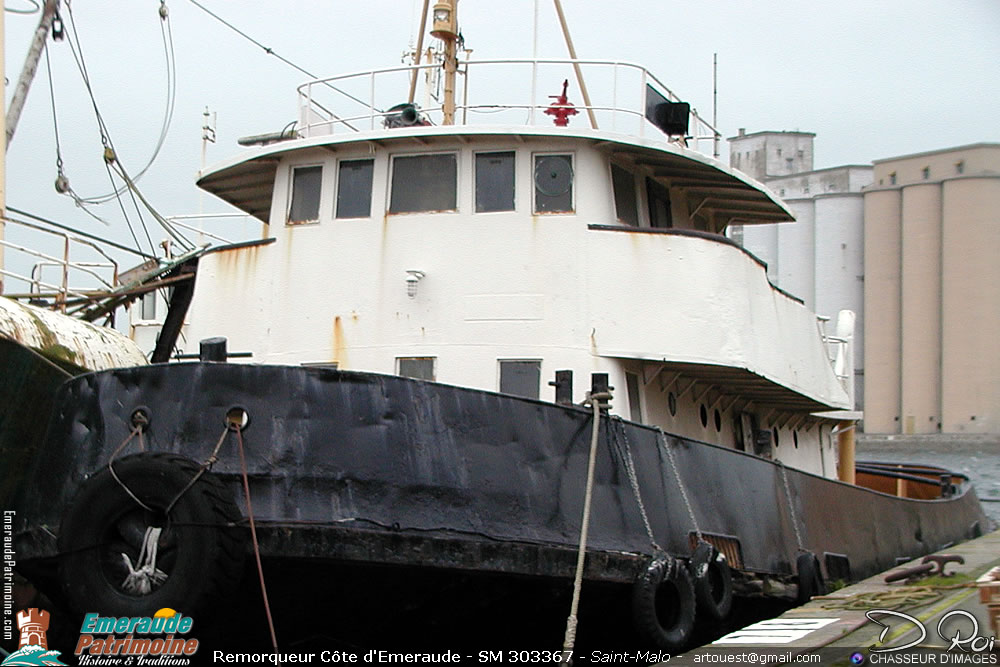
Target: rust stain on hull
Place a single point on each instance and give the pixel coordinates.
(339, 342)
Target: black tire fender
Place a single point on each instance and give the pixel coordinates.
(663, 603)
(200, 549)
(810, 577)
(713, 582)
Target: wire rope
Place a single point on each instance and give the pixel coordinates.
(166, 35)
(271, 52)
(35, 7)
(77, 50)
(110, 154)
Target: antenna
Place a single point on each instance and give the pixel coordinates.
(207, 136)
(715, 105)
(207, 133)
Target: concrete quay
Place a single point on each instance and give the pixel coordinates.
(933, 620)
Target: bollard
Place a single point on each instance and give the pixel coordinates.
(213, 349)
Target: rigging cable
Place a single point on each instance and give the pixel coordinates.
(35, 8)
(110, 154)
(62, 182)
(73, 230)
(166, 35)
(105, 139)
(271, 52)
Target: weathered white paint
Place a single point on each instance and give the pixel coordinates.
(67, 339)
(518, 285)
(820, 257)
(713, 344)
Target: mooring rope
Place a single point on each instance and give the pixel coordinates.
(209, 462)
(144, 576)
(136, 430)
(893, 599)
(253, 535)
(571, 620)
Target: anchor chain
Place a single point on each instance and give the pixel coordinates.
(680, 484)
(634, 481)
(791, 507)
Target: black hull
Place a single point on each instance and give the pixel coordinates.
(360, 467)
(27, 392)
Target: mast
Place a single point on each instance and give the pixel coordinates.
(30, 67)
(576, 65)
(445, 28)
(9, 117)
(420, 48)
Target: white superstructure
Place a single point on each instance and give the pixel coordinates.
(492, 256)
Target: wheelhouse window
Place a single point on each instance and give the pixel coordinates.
(553, 184)
(424, 183)
(658, 196)
(520, 377)
(421, 368)
(624, 186)
(306, 185)
(494, 182)
(354, 188)
(148, 306)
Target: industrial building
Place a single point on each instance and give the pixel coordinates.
(910, 244)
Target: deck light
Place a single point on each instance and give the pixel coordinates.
(444, 21)
(412, 278)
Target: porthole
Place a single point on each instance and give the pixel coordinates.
(672, 404)
(704, 416)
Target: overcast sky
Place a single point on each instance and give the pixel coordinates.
(872, 79)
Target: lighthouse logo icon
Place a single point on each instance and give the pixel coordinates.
(33, 649)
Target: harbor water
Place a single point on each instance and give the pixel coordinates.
(975, 456)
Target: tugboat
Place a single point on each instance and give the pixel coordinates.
(523, 349)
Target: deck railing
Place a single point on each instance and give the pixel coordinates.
(51, 249)
(509, 92)
(840, 348)
(58, 268)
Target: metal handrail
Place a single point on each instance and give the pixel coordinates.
(60, 293)
(328, 120)
(63, 291)
(175, 220)
(36, 280)
(55, 261)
